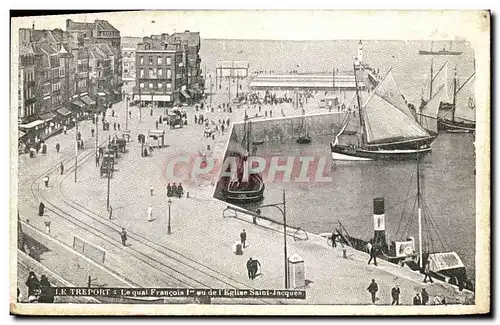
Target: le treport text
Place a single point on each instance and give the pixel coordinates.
(178, 292)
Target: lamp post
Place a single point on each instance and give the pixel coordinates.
(76, 146)
(111, 167)
(283, 212)
(126, 111)
(169, 230)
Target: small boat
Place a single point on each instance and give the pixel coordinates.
(304, 137)
(388, 129)
(244, 188)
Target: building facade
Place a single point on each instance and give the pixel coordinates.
(168, 70)
(129, 45)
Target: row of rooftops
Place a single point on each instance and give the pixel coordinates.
(166, 42)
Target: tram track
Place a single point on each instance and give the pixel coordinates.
(102, 232)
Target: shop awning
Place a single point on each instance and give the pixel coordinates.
(185, 93)
(47, 116)
(31, 125)
(87, 100)
(78, 103)
(63, 111)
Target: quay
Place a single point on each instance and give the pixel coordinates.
(198, 252)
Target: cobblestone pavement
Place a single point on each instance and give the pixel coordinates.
(199, 251)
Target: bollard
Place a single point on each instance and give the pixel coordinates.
(344, 253)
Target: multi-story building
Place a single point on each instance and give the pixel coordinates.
(129, 45)
(103, 33)
(167, 70)
(28, 103)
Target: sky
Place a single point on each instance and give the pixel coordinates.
(267, 24)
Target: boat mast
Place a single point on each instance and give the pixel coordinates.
(359, 104)
(419, 213)
(432, 77)
(454, 95)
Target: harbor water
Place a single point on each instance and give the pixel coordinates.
(447, 173)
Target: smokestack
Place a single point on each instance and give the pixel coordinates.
(379, 222)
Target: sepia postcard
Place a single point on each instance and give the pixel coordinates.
(253, 162)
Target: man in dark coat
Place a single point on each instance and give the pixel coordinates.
(169, 190)
(58, 146)
(425, 297)
(62, 168)
(334, 239)
(32, 283)
(255, 267)
(395, 292)
(180, 190)
(41, 209)
(427, 272)
(45, 294)
(123, 235)
(174, 190)
(372, 289)
(249, 268)
(373, 255)
(417, 301)
(243, 238)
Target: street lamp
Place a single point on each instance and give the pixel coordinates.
(169, 230)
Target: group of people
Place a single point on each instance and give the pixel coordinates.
(420, 298)
(175, 190)
(38, 290)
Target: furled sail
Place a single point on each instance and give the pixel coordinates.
(388, 90)
(386, 123)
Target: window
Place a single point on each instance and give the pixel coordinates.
(160, 72)
(160, 60)
(151, 73)
(141, 72)
(150, 85)
(150, 60)
(169, 74)
(141, 85)
(141, 60)
(169, 61)
(160, 85)
(169, 86)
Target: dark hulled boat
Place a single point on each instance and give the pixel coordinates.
(244, 188)
(388, 129)
(441, 52)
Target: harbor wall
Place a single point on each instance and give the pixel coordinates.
(288, 129)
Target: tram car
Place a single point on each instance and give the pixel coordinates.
(108, 157)
(114, 148)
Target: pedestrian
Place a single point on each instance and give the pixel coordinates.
(243, 238)
(150, 213)
(174, 190)
(65, 129)
(250, 268)
(110, 212)
(58, 146)
(61, 168)
(372, 289)
(123, 235)
(425, 297)
(180, 190)
(151, 189)
(47, 226)
(270, 113)
(395, 292)
(114, 126)
(45, 295)
(41, 209)
(97, 160)
(92, 132)
(169, 190)
(417, 301)
(156, 125)
(265, 113)
(334, 240)
(195, 118)
(46, 180)
(427, 272)
(32, 283)
(373, 254)
(255, 268)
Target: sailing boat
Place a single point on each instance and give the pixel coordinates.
(388, 129)
(440, 52)
(244, 188)
(304, 136)
(445, 264)
(465, 100)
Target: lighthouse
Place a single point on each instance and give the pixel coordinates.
(360, 51)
